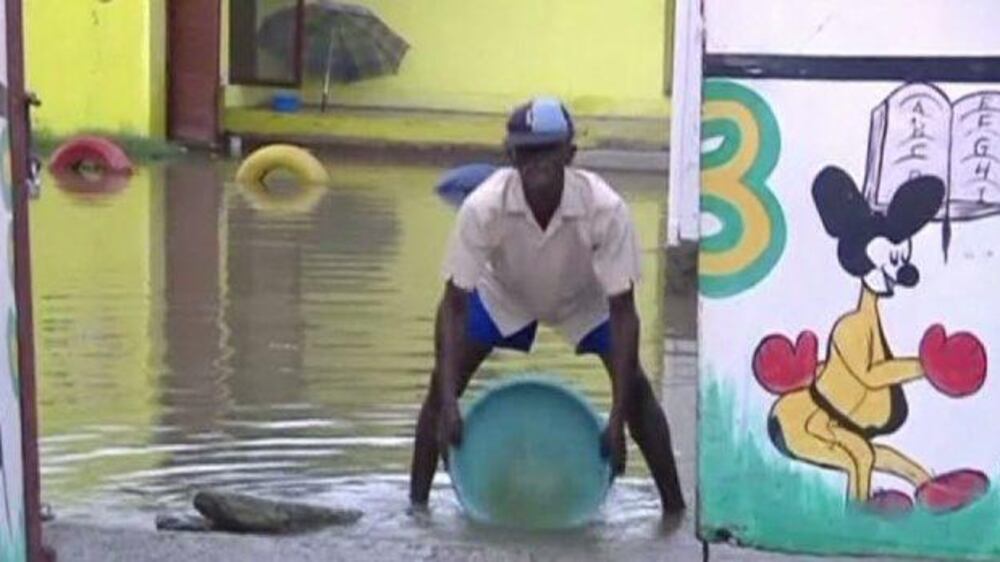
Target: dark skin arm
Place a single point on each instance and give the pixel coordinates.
(450, 327)
(623, 365)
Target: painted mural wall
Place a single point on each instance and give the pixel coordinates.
(843, 27)
(850, 240)
(12, 514)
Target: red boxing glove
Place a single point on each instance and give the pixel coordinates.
(956, 364)
(781, 368)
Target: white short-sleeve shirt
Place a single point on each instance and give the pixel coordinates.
(561, 277)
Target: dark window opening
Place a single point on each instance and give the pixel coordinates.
(265, 42)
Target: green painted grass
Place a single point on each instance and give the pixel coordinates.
(759, 498)
(13, 551)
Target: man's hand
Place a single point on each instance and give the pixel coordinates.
(449, 428)
(622, 363)
(613, 445)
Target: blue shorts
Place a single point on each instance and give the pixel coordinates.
(481, 328)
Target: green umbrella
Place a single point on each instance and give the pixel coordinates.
(343, 42)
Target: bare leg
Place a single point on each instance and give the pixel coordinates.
(425, 445)
(649, 428)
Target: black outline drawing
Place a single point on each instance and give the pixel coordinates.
(902, 135)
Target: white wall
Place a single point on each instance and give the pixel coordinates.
(853, 27)
(685, 124)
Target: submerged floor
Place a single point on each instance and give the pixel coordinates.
(194, 334)
(191, 333)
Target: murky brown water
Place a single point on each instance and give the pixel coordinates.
(192, 334)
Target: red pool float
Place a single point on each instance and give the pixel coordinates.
(87, 183)
(99, 151)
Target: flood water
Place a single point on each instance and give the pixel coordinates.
(192, 334)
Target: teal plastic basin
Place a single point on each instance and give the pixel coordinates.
(530, 457)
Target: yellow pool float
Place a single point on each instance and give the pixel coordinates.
(299, 161)
(312, 178)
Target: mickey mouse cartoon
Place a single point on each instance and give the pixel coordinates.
(831, 414)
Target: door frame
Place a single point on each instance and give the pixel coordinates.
(20, 131)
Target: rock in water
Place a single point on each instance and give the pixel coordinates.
(241, 513)
(182, 522)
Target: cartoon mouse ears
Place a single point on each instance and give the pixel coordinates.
(841, 207)
(915, 203)
(845, 213)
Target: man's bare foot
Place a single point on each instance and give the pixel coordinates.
(673, 517)
(419, 512)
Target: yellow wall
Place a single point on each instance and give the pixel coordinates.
(603, 58)
(97, 64)
(100, 64)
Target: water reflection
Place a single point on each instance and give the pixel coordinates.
(189, 337)
(193, 390)
(97, 267)
(282, 196)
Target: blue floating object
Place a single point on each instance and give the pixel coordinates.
(286, 103)
(530, 457)
(456, 184)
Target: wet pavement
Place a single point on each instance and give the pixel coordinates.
(195, 334)
(630, 528)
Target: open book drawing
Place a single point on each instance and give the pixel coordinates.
(918, 131)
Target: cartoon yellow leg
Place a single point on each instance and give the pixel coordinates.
(808, 433)
(862, 455)
(892, 461)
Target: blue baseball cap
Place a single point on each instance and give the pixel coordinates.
(539, 122)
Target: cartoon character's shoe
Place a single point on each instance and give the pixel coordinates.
(953, 490)
(889, 503)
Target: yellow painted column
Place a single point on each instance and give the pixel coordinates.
(98, 65)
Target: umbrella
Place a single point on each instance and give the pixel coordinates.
(343, 42)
